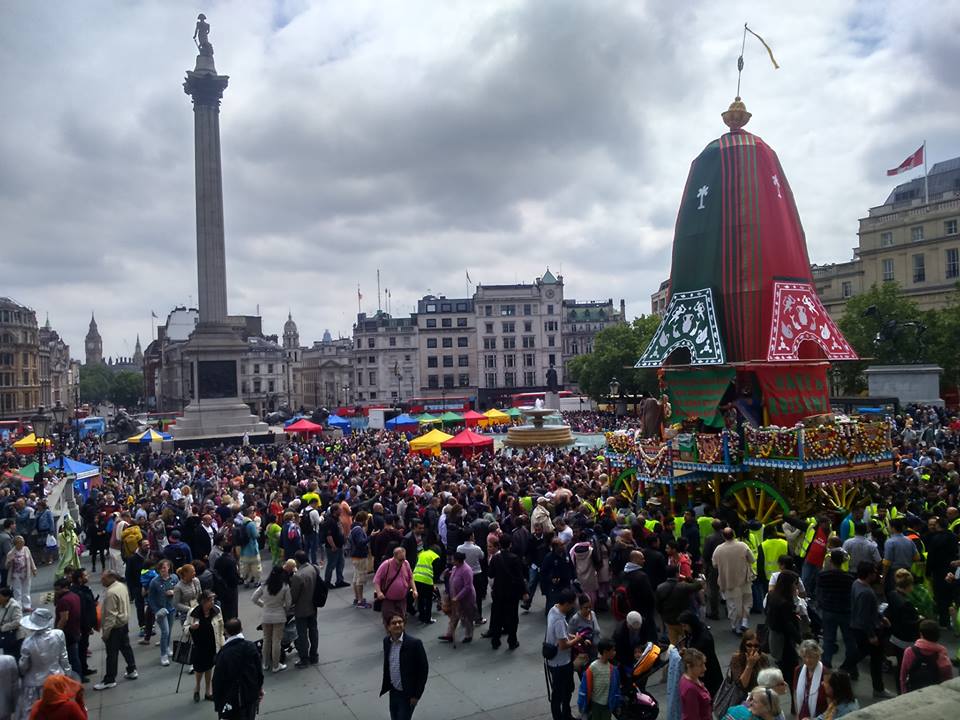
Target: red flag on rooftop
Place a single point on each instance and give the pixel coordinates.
(915, 160)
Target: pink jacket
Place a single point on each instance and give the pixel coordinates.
(393, 583)
(925, 646)
(461, 585)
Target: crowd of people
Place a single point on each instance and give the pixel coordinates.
(482, 540)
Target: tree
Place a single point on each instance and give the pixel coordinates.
(95, 382)
(867, 322)
(126, 389)
(616, 350)
(943, 340)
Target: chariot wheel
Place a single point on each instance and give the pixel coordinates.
(757, 499)
(838, 496)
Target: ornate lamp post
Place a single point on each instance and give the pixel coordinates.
(614, 395)
(41, 423)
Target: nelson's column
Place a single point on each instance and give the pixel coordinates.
(214, 349)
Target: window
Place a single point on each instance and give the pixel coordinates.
(431, 342)
(372, 377)
(551, 359)
(270, 386)
(462, 307)
(950, 227)
(393, 341)
(256, 368)
(919, 271)
(509, 343)
(463, 380)
(509, 361)
(269, 368)
(447, 342)
(551, 340)
(529, 378)
(448, 360)
(527, 326)
(372, 359)
(528, 309)
(406, 340)
(916, 233)
(846, 288)
(433, 381)
(463, 342)
(528, 341)
(490, 380)
(360, 378)
(431, 322)
(550, 326)
(886, 239)
(371, 342)
(488, 310)
(446, 322)
(952, 263)
(488, 328)
(256, 385)
(509, 379)
(373, 396)
(406, 358)
(446, 307)
(508, 310)
(463, 361)
(490, 361)
(888, 270)
(461, 322)
(489, 343)
(509, 327)
(431, 361)
(431, 307)
(549, 309)
(528, 360)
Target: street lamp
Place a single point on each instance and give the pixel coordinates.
(41, 423)
(615, 393)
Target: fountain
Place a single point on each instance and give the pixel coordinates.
(535, 432)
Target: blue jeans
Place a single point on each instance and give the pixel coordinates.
(400, 707)
(832, 621)
(334, 560)
(533, 581)
(163, 623)
(808, 574)
(312, 542)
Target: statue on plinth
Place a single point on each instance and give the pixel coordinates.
(552, 384)
(201, 34)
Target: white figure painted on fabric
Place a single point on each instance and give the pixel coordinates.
(701, 194)
(776, 184)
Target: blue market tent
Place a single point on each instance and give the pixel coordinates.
(338, 423)
(402, 422)
(83, 473)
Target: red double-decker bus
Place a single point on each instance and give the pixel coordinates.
(529, 398)
(438, 405)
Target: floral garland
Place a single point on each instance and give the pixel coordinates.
(655, 464)
(733, 444)
(772, 441)
(872, 438)
(710, 448)
(620, 442)
(823, 442)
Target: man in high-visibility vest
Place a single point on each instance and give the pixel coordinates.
(816, 554)
(953, 519)
(423, 576)
(753, 536)
(771, 550)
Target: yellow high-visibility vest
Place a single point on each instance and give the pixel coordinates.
(705, 524)
(808, 537)
(773, 550)
(754, 538)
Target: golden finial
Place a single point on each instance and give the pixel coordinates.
(736, 116)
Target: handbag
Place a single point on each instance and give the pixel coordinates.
(182, 649)
(729, 694)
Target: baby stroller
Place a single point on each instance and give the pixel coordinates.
(637, 703)
(286, 642)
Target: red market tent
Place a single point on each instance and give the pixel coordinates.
(468, 443)
(474, 418)
(303, 426)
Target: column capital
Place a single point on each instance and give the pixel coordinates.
(205, 88)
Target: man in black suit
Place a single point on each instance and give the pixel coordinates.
(237, 676)
(509, 587)
(405, 669)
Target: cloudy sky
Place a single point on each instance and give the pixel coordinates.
(430, 138)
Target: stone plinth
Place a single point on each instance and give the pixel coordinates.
(551, 400)
(907, 383)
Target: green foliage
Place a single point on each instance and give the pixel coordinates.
(615, 351)
(95, 382)
(943, 340)
(99, 384)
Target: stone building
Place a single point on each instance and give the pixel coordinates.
(20, 387)
(519, 337)
(911, 239)
(293, 353)
(447, 344)
(263, 375)
(385, 358)
(324, 376)
(59, 376)
(581, 323)
(93, 344)
(658, 301)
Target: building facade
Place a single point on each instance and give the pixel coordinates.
(447, 344)
(386, 365)
(59, 377)
(912, 239)
(263, 375)
(20, 387)
(324, 376)
(519, 337)
(581, 323)
(658, 301)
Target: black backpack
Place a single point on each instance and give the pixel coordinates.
(306, 524)
(320, 590)
(923, 671)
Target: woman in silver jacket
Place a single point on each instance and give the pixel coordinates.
(44, 652)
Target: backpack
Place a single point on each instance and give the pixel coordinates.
(620, 603)
(320, 590)
(306, 522)
(923, 671)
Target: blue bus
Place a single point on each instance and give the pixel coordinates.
(91, 426)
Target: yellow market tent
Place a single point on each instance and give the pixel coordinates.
(28, 444)
(497, 417)
(428, 419)
(429, 444)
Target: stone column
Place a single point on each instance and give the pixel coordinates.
(206, 88)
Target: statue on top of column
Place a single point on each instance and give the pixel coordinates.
(200, 35)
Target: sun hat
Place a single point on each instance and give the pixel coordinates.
(39, 619)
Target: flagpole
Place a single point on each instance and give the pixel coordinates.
(926, 187)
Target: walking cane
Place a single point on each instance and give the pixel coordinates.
(176, 656)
